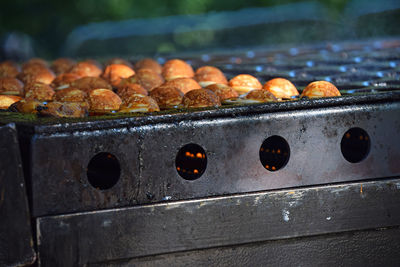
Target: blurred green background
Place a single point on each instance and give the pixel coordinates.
(49, 23)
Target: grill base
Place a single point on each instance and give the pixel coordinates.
(103, 236)
(16, 243)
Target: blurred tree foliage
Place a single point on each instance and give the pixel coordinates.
(49, 21)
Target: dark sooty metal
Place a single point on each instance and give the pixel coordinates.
(225, 221)
(147, 153)
(16, 243)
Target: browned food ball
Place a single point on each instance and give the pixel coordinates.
(35, 62)
(7, 100)
(8, 69)
(167, 97)
(70, 95)
(260, 96)
(129, 89)
(45, 77)
(11, 86)
(94, 62)
(64, 80)
(38, 91)
(33, 69)
(115, 72)
(139, 103)
(176, 68)
(244, 83)
(281, 88)
(320, 89)
(146, 78)
(86, 69)
(64, 109)
(148, 63)
(62, 65)
(37, 73)
(183, 84)
(26, 106)
(117, 60)
(104, 100)
(207, 75)
(223, 91)
(200, 98)
(89, 83)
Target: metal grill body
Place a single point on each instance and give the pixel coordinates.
(232, 143)
(16, 243)
(154, 216)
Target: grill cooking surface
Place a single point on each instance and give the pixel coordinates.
(370, 67)
(362, 71)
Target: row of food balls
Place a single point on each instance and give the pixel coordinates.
(66, 88)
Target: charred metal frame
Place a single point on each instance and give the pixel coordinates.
(152, 211)
(102, 237)
(231, 138)
(16, 242)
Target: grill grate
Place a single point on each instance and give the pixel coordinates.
(369, 67)
(356, 68)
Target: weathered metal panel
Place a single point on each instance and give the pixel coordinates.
(100, 236)
(59, 167)
(377, 247)
(147, 156)
(16, 244)
(232, 147)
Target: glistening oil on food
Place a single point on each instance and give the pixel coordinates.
(65, 88)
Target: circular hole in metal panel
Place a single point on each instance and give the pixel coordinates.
(355, 145)
(274, 153)
(103, 171)
(191, 161)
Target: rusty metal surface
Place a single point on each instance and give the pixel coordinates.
(147, 156)
(110, 235)
(16, 244)
(377, 247)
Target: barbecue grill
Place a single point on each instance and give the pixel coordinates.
(208, 186)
